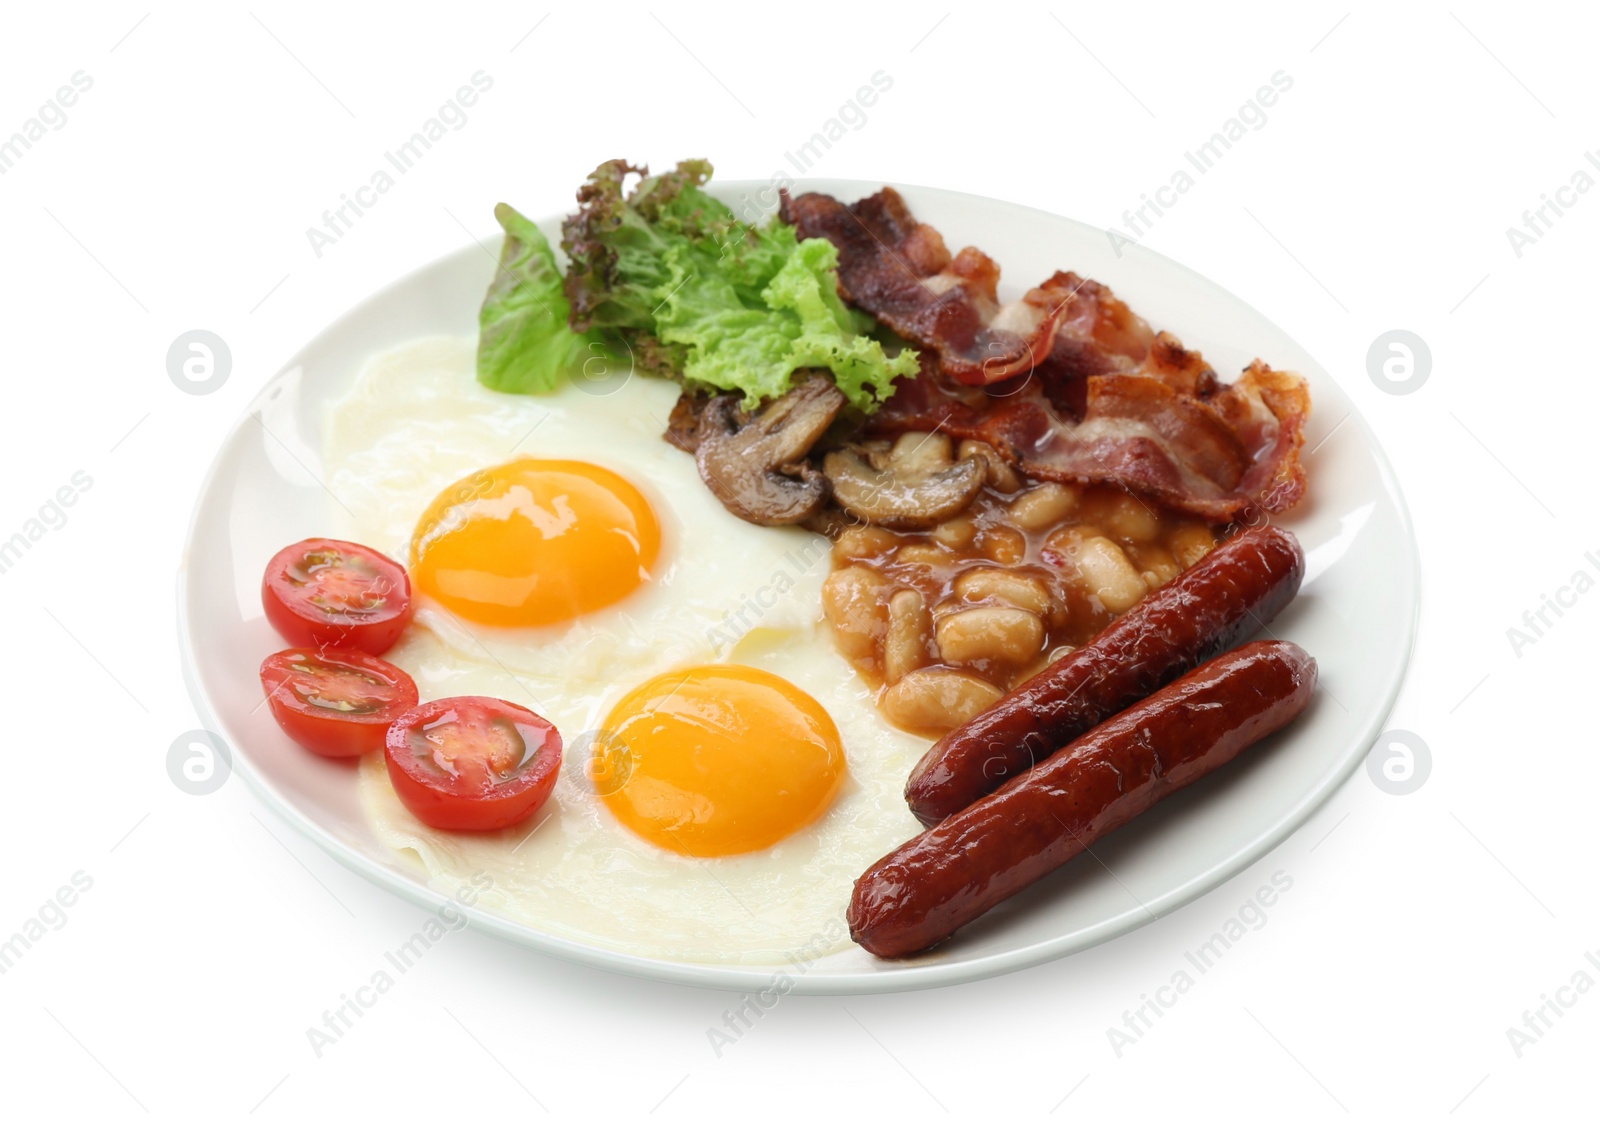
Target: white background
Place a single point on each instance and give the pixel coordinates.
(1376, 197)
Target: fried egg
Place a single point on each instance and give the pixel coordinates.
(534, 542)
(727, 775)
(719, 759)
(418, 437)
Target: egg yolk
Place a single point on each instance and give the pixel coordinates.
(534, 542)
(721, 759)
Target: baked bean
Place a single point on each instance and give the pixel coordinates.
(851, 601)
(917, 451)
(933, 555)
(907, 644)
(1043, 506)
(1108, 574)
(957, 532)
(1190, 542)
(1157, 567)
(1065, 541)
(989, 634)
(1002, 544)
(1015, 588)
(863, 542)
(1129, 518)
(936, 699)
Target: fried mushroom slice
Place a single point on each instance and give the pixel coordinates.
(757, 469)
(914, 485)
(683, 425)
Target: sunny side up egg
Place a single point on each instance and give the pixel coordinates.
(662, 673)
(719, 759)
(534, 542)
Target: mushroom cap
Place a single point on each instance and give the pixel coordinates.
(757, 469)
(901, 495)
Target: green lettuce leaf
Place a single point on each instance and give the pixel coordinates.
(799, 322)
(524, 343)
(674, 278)
(735, 307)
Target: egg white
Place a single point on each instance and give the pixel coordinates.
(724, 590)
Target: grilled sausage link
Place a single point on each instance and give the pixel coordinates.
(1224, 598)
(951, 874)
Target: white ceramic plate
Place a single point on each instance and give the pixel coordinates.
(1356, 612)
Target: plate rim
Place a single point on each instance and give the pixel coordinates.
(736, 977)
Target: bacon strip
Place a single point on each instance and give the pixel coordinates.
(1138, 434)
(1101, 398)
(1216, 458)
(900, 271)
(1268, 410)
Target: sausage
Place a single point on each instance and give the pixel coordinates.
(1224, 598)
(951, 874)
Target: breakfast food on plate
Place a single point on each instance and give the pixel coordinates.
(588, 540)
(853, 503)
(334, 593)
(666, 280)
(724, 759)
(921, 893)
(416, 431)
(472, 763)
(1224, 598)
(1056, 436)
(948, 620)
(1102, 397)
(337, 703)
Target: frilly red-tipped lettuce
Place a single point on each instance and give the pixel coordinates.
(696, 294)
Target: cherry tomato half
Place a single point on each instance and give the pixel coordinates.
(337, 703)
(472, 763)
(321, 593)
